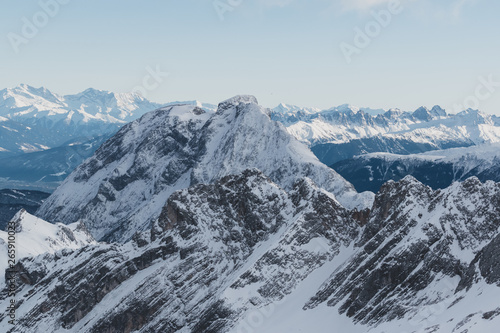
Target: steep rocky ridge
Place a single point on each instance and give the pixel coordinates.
(122, 188)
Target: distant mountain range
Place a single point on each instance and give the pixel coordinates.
(370, 147)
(36, 119)
(346, 131)
(44, 136)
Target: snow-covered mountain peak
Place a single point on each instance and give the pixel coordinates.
(93, 92)
(345, 108)
(41, 91)
(393, 193)
(475, 117)
(25, 97)
(236, 100)
(393, 113)
(424, 114)
(283, 108)
(410, 181)
(91, 95)
(438, 111)
(205, 106)
(24, 103)
(55, 235)
(22, 221)
(174, 147)
(187, 112)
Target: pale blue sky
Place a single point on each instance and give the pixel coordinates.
(433, 52)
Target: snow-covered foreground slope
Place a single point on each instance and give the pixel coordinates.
(123, 187)
(343, 132)
(35, 236)
(437, 169)
(244, 255)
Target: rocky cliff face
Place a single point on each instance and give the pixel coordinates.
(219, 254)
(194, 270)
(122, 188)
(419, 249)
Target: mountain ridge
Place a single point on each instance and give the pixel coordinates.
(220, 254)
(176, 147)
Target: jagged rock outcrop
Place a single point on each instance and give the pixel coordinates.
(210, 244)
(221, 255)
(415, 239)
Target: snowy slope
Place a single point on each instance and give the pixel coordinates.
(244, 255)
(122, 188)
(34, 237)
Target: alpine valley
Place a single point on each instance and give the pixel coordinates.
(196, 218)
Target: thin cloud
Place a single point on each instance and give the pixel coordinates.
(276, 3)
(458, 6)
(452, 8)
(363, 4)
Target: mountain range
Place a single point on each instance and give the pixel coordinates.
(60, 132)
(35, 119)
(344, 132)
(222, 221)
